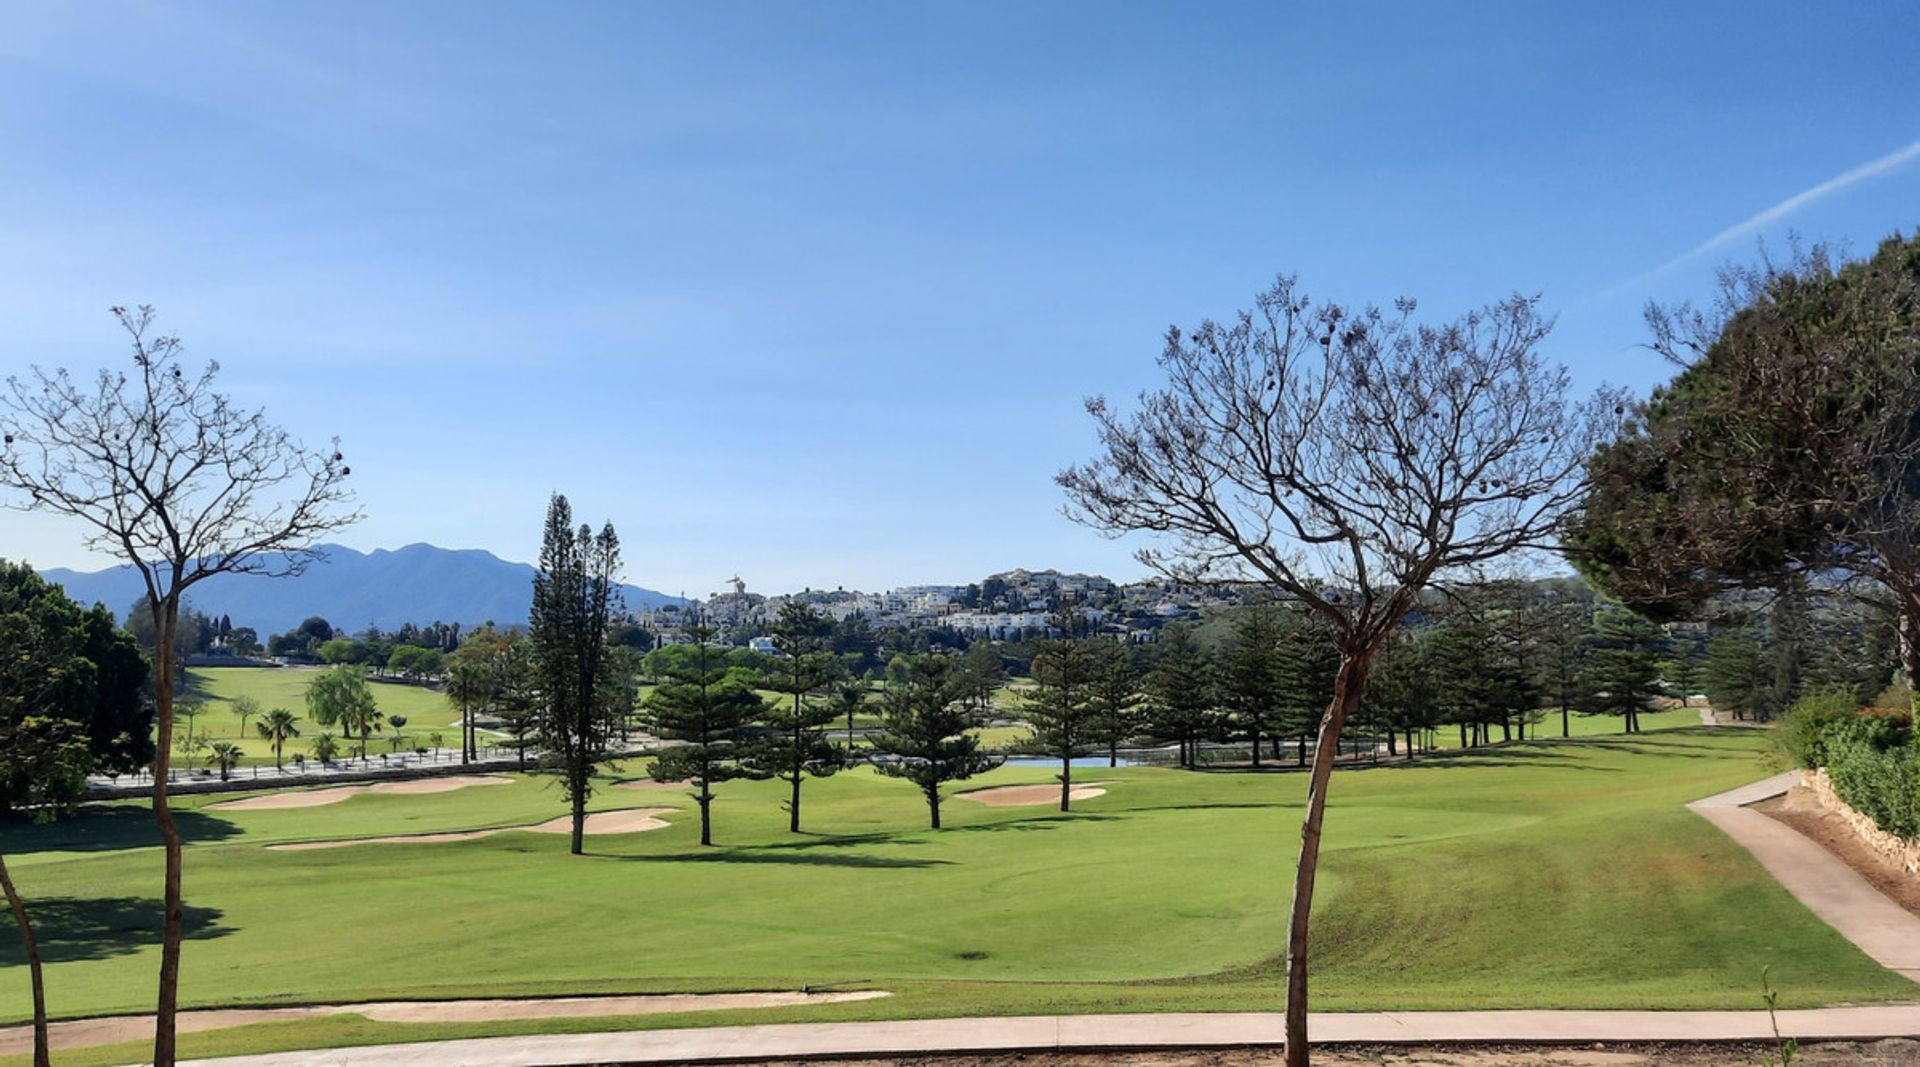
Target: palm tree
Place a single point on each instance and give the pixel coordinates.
(470, 684)
(368, 723)
(277, 726)
(850, 696)
(227, 755)
(325, 747)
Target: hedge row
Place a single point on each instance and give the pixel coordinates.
(1875, 767)
(1873, 760)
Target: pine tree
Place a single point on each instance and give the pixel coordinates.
(1251, 674)
(1306, 662)
(927, 724)
(1180, 692)
(713, 714)
(1116, 698)
(799, 720)
(1623, 665)
(1062, 708)
(1736, 675)
(574, 595)
(1403, 690)
(984, 673)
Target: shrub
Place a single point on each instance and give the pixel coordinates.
(1875, 768)
(1896, 700)
(1798, 740)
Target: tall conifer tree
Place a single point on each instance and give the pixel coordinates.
(575, 592)
(712, 714)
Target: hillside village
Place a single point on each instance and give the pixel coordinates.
(1011, 605)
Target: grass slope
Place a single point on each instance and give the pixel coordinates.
(1546, 874)
(215, 689)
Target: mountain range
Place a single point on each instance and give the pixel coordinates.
(420, 584)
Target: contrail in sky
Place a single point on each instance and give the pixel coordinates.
(1891, 161)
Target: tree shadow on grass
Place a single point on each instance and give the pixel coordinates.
(1028, 824)
(107, 829)
(756, 855)
(1277, 805)
(73, 929)
(1515, 754)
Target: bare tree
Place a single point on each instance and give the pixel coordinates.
(173, 478)
(1349, 459)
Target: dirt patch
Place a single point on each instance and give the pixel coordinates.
(1016, 796)
(1800, 809)
(86, 1033)
(314, 798)
(623, 821)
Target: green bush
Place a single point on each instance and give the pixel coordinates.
(1875, 768)
(1798, 740)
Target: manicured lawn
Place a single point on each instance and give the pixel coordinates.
(1579, 725)
(215, 689)
(1549, 874)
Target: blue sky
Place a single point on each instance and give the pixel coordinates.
(812, 292)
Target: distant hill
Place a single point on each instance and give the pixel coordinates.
(387, 587)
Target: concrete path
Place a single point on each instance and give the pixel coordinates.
(1823, 882)
(1102, 1032)
(113, 1029)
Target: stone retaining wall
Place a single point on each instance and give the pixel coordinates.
(1897, 849)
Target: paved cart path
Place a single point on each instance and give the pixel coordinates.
(1102, 1032)
(1822, 881)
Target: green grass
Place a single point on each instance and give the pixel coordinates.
(1579, 725)
(997, 738)
(215, 689)
(1549, 874)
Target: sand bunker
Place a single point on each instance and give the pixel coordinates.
(1018, 796)
(314, 798)
(624, 821)
(85, 1033)
(306, 798)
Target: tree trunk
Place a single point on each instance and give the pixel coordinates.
(933, 805)
(1113, 753)
(42, 1055)
(706, 815)
(1066, 778)
(1348, 685)
(1908, 632)
(577, 786)
(1256, 745)
(166, 613)
(1566, 729)
(793, 808)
